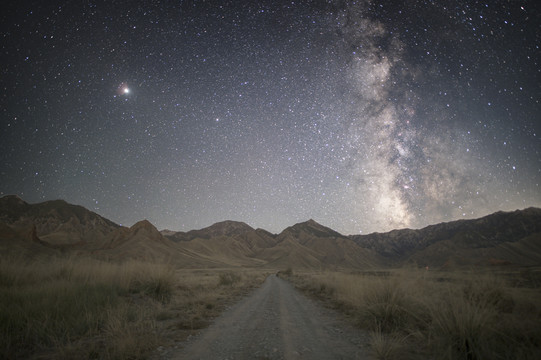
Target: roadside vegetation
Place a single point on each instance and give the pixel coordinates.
(85, 308)
(418, 314)
(201, 295)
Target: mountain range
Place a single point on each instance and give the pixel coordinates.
(56, 227)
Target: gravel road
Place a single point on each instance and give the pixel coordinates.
(276, 322)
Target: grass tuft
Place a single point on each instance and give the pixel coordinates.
(386, 346)
(413, 313)
(229, 278)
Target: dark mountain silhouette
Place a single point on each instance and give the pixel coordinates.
(56, 222)
(224, 228)
(309, 229)
(502, 237)
(23, 242)
(231, 242)
(312, 245)
(56, 226)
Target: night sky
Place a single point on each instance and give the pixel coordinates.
(364, 116)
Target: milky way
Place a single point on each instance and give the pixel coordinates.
(365, 116)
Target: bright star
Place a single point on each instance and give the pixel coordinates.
(122, 89)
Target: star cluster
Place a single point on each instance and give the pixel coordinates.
(365, 116)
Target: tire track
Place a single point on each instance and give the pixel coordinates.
(276, 322)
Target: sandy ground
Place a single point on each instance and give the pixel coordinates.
(275, 322)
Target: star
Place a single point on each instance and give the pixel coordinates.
(122, 89)
(389, 109)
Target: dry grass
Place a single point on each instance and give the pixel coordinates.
(412, 313)
(201, 295)
(58, 306)
(84, 308)
(387, 346)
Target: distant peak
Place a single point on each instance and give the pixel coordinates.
(222, 228)
(231, 223)
(311, 223)
(13, 198)
(314, 228)
(143, 224)
(230, 226)
(58, 202)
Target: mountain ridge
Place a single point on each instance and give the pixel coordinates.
(496, 239)
(485, 232)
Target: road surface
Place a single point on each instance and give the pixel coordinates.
(276, 322)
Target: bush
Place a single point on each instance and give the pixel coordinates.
(228, 278)
(156, 281)
(462, 329)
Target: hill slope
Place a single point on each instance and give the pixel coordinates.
(56, 226)
(56, 222)
(312, 245)
(502, 237)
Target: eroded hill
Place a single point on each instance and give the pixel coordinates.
(55, 227)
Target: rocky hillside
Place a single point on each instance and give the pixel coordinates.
(224, 228)
(56, 222)
(312, 245)
(499, 238)
(503, 238)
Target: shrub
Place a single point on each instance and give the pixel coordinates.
(462, 328)
(154, 280)
(385, 306)
(130, 332)
(228, 278)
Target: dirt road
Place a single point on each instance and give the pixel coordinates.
(276, 322)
